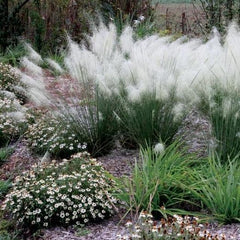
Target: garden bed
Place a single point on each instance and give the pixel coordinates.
(165, 137)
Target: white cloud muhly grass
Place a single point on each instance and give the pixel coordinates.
(126, 40)
(7, 94)
(153, 64)
(54, 65)
(35, 89)
(103, 42)
(31, 67)
(33, 55)
(18, 116)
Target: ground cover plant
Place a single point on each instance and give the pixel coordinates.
(176, 227)
(73, 191)
(13, 121)
(10, 83)
(49, 134)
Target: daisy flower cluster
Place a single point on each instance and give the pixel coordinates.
(73, 191)
(49, 133)
(10, 82)
(13, 120)
(176, 227)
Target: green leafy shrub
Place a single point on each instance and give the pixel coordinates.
(10, 82)
(217, 187)
(157, 179)
(74, 191)
(175, 227)
(13, 121)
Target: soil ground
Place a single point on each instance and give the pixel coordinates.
(180, 18)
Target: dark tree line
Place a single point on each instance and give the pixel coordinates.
(10, 26)
(219, 13)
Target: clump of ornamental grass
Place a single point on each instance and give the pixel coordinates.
(145, 120)
(223, 110)
(5, 152)
(73, 191)
(4, 188)
(10, 83)
(92, 120)
(217, 187)
(176, 227)
(50, 133)
(13, 120)
(157, 179)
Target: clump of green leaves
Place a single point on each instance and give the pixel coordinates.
(217, 187)
(5, 153)
(157, 179)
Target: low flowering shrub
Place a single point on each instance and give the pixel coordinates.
(13, 120)
(175, 227)
(53, 135)
(10, 82)
(73, 191)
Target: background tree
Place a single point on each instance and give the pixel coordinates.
(219, 13)
(10, 26)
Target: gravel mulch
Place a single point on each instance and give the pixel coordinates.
(21, 160)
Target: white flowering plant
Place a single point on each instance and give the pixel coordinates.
(13, 120)
(10, 82)
(73, 191)
(50, 133)
(175, 227)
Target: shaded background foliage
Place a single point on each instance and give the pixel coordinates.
(44, 23)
